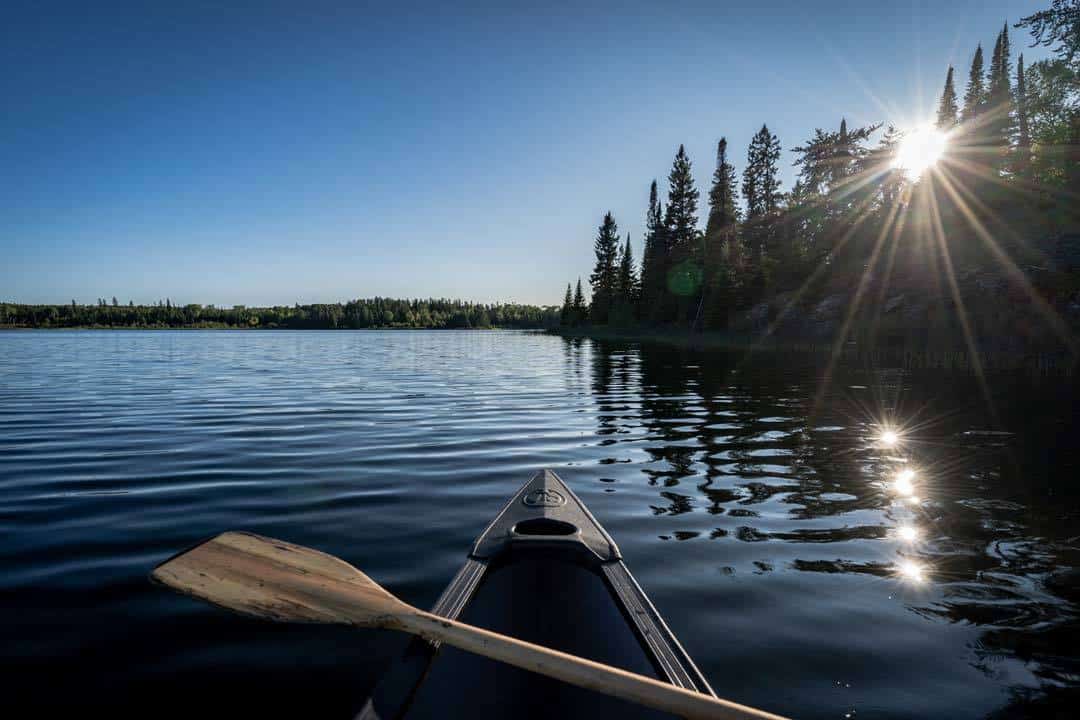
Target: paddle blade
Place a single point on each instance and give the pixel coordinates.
(275, 580)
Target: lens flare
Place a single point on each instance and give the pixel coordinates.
(905, 484)
(889, 438)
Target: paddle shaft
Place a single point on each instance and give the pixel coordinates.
(575, 670)
(276, 580)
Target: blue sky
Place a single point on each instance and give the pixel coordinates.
(267, 153)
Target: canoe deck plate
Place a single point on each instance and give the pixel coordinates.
(545, 497)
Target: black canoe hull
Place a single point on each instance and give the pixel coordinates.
(547, 572)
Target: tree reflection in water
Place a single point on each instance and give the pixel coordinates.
(899, 477)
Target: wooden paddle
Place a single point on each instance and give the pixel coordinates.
(276, 580)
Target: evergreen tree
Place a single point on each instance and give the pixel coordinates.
(654, 261)
(947, 108)
(566, 314)
(826, 162)
(761, 190)
(999, 96)
(1023, 139)
(891, 186)
(720, 229)
(975, 96)
(627, 280)
(684, 261)
(1057, 25)
(580, 309)
(603, 278)
(722, 211)
(761, 185)
(841, 167)
(626, 287)
(681, 217)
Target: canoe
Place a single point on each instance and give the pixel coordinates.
(544, 571)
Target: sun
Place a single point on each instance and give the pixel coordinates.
(920, 150)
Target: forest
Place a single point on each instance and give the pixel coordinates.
(982, 247)
(356, 314)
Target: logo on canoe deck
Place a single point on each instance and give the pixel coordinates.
(544, 497)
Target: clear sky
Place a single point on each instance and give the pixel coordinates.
(270, 152)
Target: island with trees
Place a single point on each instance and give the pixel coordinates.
(964, 233)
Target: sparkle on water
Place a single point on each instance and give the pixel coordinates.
(889, 438)
(908, 533)
(919, 150)
(911, 571)
(904, 482)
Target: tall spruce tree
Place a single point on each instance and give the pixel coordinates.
(627, 290)
(761, 184)
(684, 272)
(999, 97)
(975, 95)
(720, 235)
(681, 217)
(626, 281)
(722, 209)
(654, 259)
(761, 190)
(1023, 136)
(606, 248)
(947, 108)
(581, 310)
(566, 314)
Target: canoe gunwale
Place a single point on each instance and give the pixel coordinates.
(498, 545)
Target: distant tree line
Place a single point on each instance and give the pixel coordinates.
(1006, 192)
(374, 312)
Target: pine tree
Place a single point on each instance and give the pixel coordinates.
(654, 259)
(841, 167)
(891, 186)
(719, 242)
(681, 218)
(761, 186)
(580, 309)
(627, 290)
(567, 311)
(761, 189)
(999, 96)
(606, 248)
(722, 211)
(1023, 140)
(684, 272)
(826, 161)
(627, 280)
(1057, 27)
(975, 96)
(947, 109)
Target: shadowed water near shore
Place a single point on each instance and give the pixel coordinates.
(757, 505)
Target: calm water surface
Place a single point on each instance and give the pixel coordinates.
(753, 501)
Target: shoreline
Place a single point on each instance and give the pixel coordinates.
(942, 357)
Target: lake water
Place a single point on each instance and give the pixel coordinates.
(752, 499)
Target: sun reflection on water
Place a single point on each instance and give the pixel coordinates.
(911, 571)
(908, 533)
(904, 483)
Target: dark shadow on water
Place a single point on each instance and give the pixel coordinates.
(990, 533)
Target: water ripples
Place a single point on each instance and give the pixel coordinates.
(764, 525)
